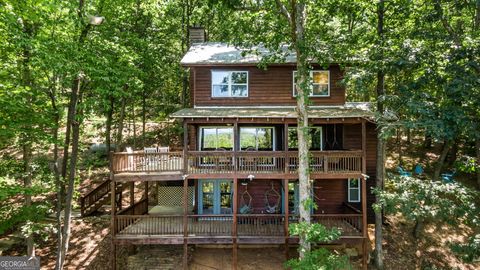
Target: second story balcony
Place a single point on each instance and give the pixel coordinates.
(221, 164)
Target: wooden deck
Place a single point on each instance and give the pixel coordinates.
(259, 228)
(224, 164)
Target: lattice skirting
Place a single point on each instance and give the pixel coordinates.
(173, 196)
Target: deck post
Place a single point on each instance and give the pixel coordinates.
(185, 222)
(286, 211)
(146, 190)
(364, 221)
(113, 213)
(185, 195)
(364, 195)
(236, 145)
(285, 147)
(234, 225)
(364, 146)
(132, 193)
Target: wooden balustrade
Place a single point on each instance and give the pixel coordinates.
(95, 195)
(139, 208)
(266, 225)
(211, 162)
(349, 224)
(329, 161)
(248, 162)
(147, 162)
(210, 225)
(149, 224)
(261, 225)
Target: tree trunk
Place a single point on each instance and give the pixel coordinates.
(452, 155)
(120, 126)
(380, 169)
(441, 160)
(26, 138)
(399, 146)
(418, 228)
(303, 130)
(134, 127)
(144, 112)
(427, 143)
(409, 136)
(56, 171)
(108, 124)
(76, 96)
(477, 148)
(27, 182)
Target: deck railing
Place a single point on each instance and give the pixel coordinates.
(269, 225)
(149, 224)
(147, 162)
(92, 197)
(261, 225)
(247, 162)
(348, 224)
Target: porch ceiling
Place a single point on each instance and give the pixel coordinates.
(349, 110)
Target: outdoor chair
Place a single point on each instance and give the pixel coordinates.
(130, 159)
(150, 160)
(448, 177)
(403, 172)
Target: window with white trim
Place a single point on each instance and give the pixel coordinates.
(354, 190)
(320, 83)
(257, 138)
(216, 138)
(229, 83)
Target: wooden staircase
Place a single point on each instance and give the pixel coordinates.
(98, 197)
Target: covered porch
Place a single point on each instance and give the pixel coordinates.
(233, 210)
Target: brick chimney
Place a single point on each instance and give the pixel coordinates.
(196, 34)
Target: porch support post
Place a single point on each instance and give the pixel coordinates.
(185, 222)
(185, 195)
(286, 210)
(364, 146)
(132, 193)
(113, 214)
(146, 190)
(364, 195)
(285, 147)
(234, 225)
(364, 221)
(236, 145)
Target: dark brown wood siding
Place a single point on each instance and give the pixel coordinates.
(257, 189)
(330, 196)
(371, 168)
(353, 140)
(266, 87)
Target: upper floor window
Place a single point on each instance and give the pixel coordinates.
(320, 83)
(216, 138)
(229, 83)
(257, 138)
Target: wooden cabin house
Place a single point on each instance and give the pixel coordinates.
(235, 182)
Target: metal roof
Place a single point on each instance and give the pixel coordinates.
(209, 53)
(349, 110)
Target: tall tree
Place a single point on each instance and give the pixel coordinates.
(380, 170)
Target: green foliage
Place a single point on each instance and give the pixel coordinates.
(470, 251)
(315, 232)
(425, 201)
(467, 164)
(320, 259)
